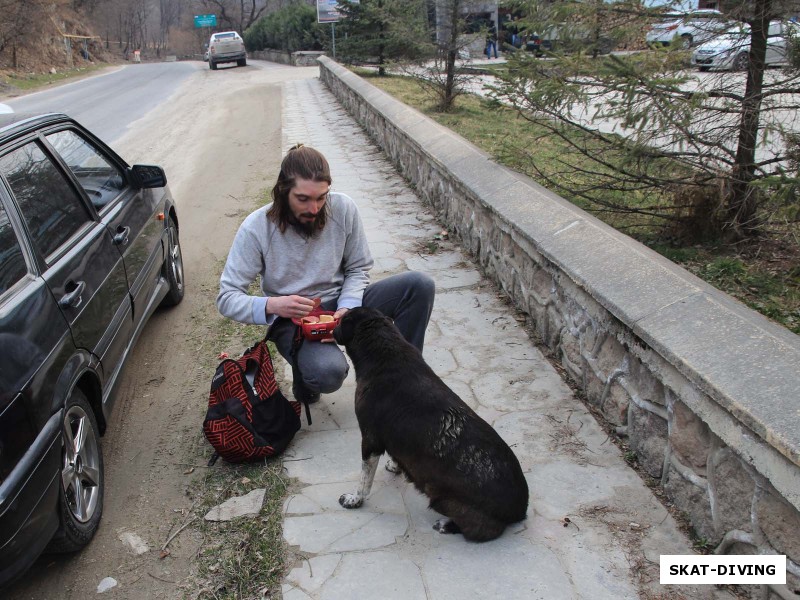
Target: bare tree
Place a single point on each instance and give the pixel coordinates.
(441, 76)
(235, 14)
(22, 23)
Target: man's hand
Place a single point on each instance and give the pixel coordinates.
(336, 316)
(289, 307)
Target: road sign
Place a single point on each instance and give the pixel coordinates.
(205, 20)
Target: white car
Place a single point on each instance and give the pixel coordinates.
(687, 29)
(226, 46)
(731, 50)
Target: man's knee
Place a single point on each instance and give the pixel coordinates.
(328, 379)
(422, 284)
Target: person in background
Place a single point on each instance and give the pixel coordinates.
(491, 42)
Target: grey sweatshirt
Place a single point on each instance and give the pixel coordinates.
(333, 265)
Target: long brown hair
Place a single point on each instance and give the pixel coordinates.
(301, 162)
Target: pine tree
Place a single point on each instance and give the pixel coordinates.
(709, 155)
(382, 32)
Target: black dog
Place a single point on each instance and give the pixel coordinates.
(450, 454)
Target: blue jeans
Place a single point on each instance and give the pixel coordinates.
(491, 47)
(407, 298)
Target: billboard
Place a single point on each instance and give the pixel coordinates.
(327, 11)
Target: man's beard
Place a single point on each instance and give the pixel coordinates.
(308, 229)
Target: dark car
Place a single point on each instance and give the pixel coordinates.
(88, 250)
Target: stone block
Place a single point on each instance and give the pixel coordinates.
(554, 327)
(611, 355)
(645, 383)
(780, 523)
(542, 286)
(592, 338)
(733, 488)
(693, 500)
(647, 433)
(593, 386)
(615, 404)
(571, 354)
(689, 437)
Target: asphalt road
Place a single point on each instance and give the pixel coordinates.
(108, 103)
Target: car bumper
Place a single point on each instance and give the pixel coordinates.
(713, 62)
(29, 503)
(228, 57)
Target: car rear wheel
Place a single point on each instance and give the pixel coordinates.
(82, 486)
(741, 62)
(242, 62)
(173, 267)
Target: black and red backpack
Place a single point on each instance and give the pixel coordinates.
(248, 417)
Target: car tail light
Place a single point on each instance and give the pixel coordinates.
(672, 27)
(16, 435)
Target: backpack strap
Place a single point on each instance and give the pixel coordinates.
(297, 376)
(297, 342)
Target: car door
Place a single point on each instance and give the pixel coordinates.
(79, 262)
(777, 47)
(132, 216)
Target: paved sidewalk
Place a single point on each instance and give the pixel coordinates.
(594, 530)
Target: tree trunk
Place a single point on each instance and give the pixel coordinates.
(741, 203)
(452, 53)
(381, 44)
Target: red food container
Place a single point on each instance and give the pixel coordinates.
(316, 331)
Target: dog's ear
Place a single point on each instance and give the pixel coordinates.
(343, 333)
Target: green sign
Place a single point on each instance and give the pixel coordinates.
(205, 20)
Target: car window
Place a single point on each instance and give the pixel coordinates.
(101, 180)
(222, 36)
(12, 262)
(50, 206)
(775, 29)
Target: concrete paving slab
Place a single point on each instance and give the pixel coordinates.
(328, 456)
(313, 573)
(510, 567)
(388, 548)
(373, 575)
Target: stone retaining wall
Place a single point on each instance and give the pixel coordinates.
(706, 390)
(301, 58)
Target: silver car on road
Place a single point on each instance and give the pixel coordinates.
(225, 47)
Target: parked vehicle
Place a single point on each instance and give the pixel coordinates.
(566, 39)
(687, 28)
(88, 250)
(730, 51)
(226, 47)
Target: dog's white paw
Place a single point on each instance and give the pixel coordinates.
(392, 466)
(446, 526)
(351, 500)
